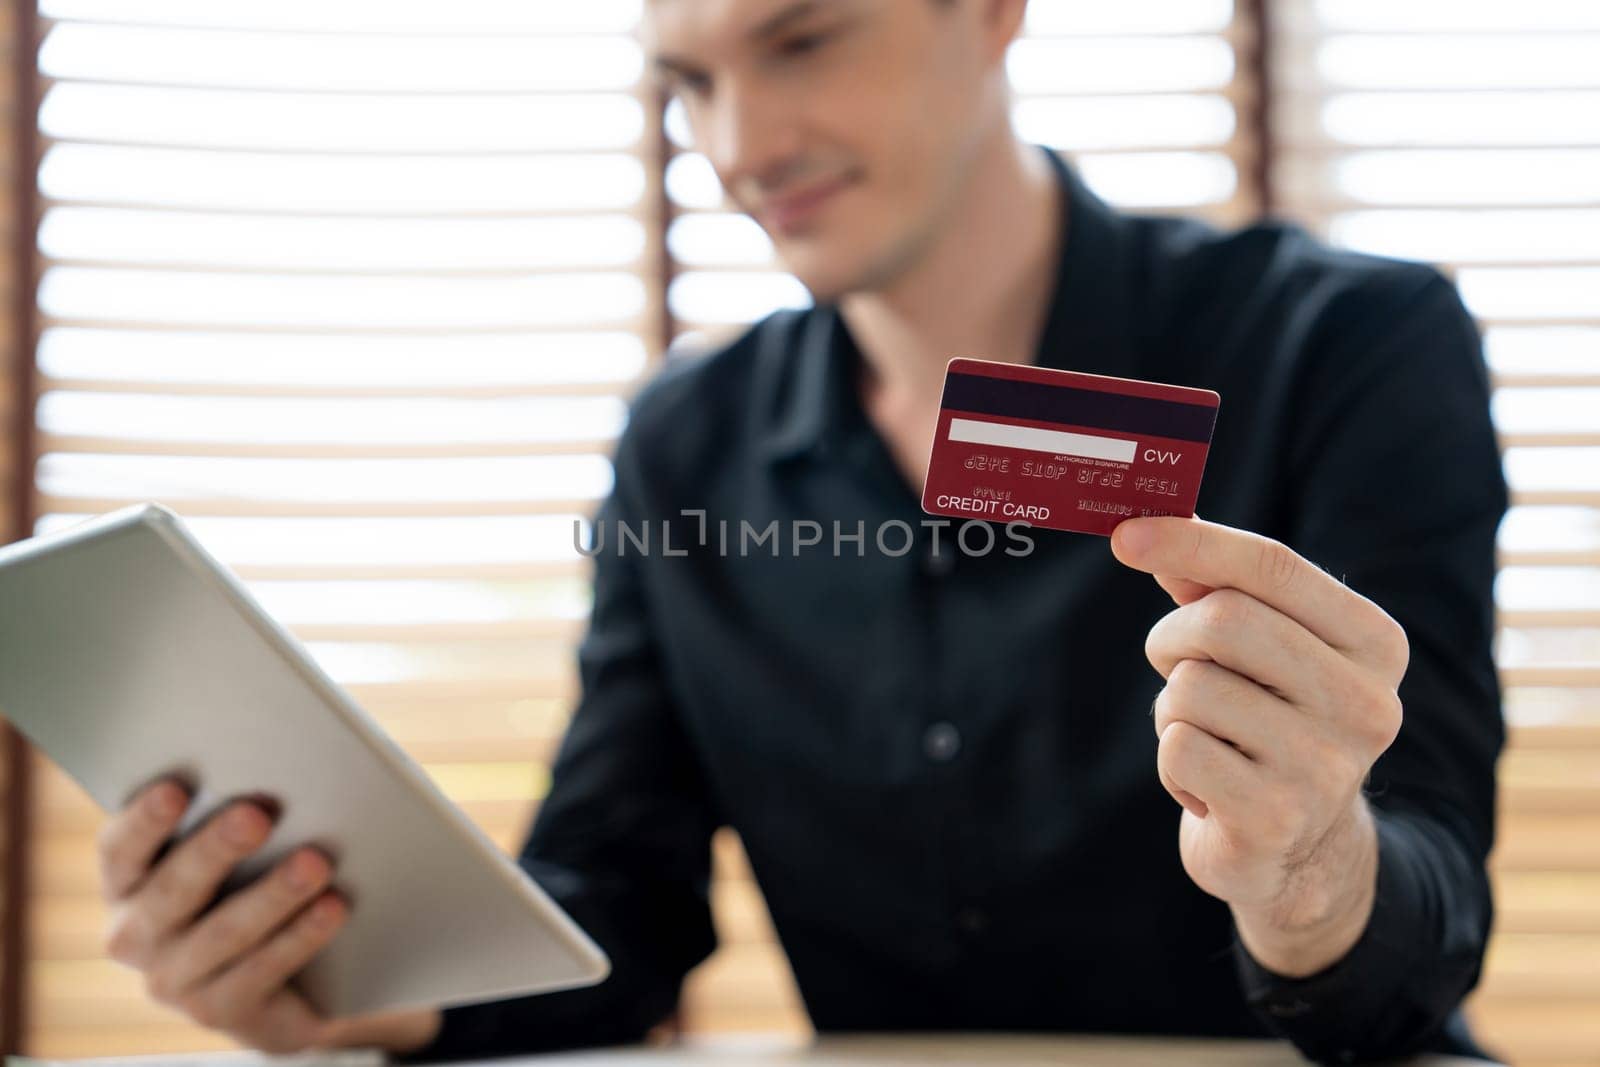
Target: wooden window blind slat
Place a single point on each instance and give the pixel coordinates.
(465, 17)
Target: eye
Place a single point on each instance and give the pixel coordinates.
(686, 83)
(804, 44)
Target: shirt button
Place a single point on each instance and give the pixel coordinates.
(972, 920)
(1287, 1009)
(939, 564)
(941, 742)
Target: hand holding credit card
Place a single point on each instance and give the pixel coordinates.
(1065, 450)
(1281, 682)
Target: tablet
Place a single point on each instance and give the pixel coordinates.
(128, 653)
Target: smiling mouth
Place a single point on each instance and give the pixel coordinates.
(791, 213)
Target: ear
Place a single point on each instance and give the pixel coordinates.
(1002, 23)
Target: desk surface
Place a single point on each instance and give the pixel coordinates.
(889, 1051)
(917, 1051)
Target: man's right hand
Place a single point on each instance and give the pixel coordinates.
(227, 965)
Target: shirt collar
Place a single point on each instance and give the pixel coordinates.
(812, 361)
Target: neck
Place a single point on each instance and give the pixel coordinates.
(983, 287)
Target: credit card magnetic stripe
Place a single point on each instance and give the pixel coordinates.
(981, 394)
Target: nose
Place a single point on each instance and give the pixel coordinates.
(748, 138)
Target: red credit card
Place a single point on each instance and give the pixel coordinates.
(1064, 450)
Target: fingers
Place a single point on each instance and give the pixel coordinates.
(1223, 557)
(246, 987)
(1231, 708)
(240, 924)
(406, 1030)
(1182, 590)
(130, 839)
(281, 1023)
(1249, 638)
(1231, 749)
(284, 1024)
(184, 883)
(228, 967)
(1204, 774)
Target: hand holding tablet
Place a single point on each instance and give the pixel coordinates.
(129, 656)
(230, 967)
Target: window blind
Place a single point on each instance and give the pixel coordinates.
(14, 489)
(1467, 133)
(359, 287)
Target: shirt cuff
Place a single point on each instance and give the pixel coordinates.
(1338, 1015)
(452, 1022)
(495, 1028)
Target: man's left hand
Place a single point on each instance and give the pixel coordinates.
(1281, 693)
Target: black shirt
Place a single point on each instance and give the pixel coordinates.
(942, 764)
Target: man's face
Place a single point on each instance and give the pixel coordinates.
(844, 127)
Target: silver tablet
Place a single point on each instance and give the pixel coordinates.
(127, 653)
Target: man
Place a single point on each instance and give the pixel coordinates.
(954, 772)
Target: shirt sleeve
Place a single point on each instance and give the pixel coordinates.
(1403, 493)
(622, 840)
